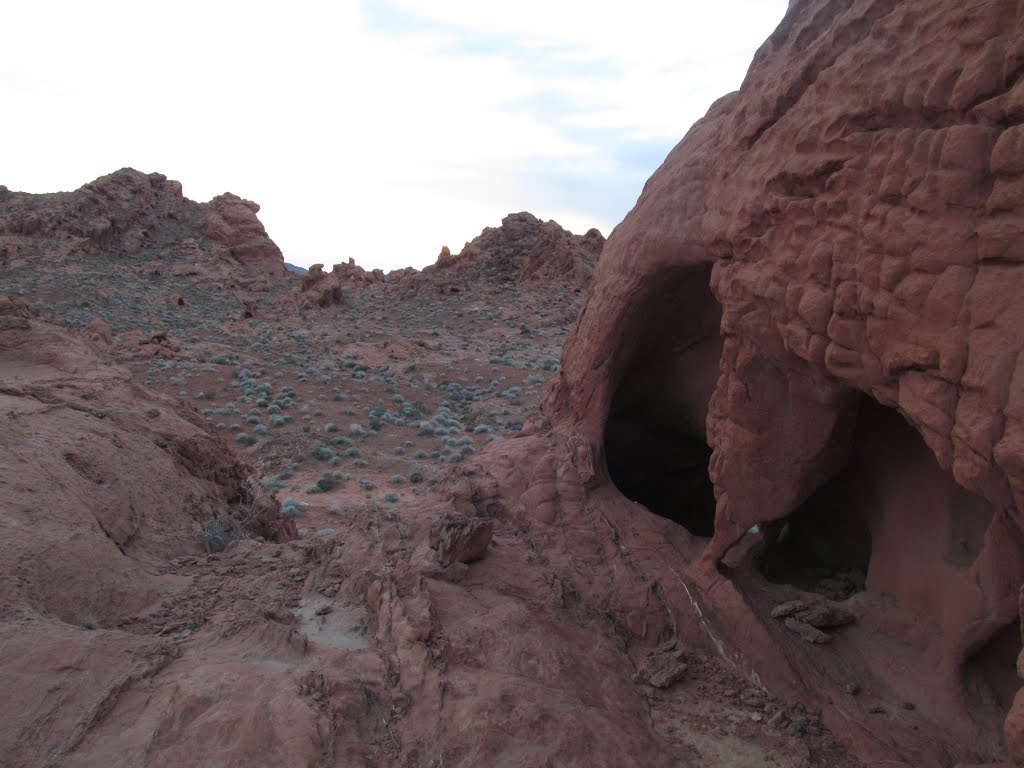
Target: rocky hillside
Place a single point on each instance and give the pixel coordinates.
(524, 248)
(754, 498)
(130, 249)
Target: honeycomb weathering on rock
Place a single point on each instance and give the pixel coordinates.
(857, 212)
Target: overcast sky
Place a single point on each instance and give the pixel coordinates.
(376, 129)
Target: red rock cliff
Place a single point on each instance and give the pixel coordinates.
(818, 298)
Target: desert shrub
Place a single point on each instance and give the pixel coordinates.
(217, 535)
(330, 481)
(291, 508)
(323, 453)
(397, 479)
(392, 498)
(245, 439)
(367, 485)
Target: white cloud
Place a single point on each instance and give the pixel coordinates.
(374, 130)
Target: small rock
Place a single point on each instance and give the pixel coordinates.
(799, 726)
(458, 539)
(454, 573)
(789, 608)
(807, 632)
(661, 670)
(99, 331)
(753, 698)
(852, 688)
(824, 615)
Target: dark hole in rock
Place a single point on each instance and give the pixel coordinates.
(825, 546)
(655, 438)
(990, 674)
(891, 514)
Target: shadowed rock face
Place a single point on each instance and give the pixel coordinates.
(816, 304)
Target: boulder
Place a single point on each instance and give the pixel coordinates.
(458, 539)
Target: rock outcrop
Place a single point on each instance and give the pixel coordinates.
(803, 345)
(104, 484)
(134, 219)
(525, 248)
(319, 290)
(138, 475)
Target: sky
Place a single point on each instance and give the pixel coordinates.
(373, 129)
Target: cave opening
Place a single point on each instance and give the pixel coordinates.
(825, 545)
(891, 512)
(655, 438)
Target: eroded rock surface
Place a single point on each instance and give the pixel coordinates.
(130, 219)
(103, 483)
(811, 323)
(525, 248)
(795, 378)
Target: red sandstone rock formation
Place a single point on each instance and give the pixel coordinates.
(800, 355)
(231, 223)
(526, 248)
(103, 484)
(810, 327)
(14, 306)
(128, 216)
(319, 290)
